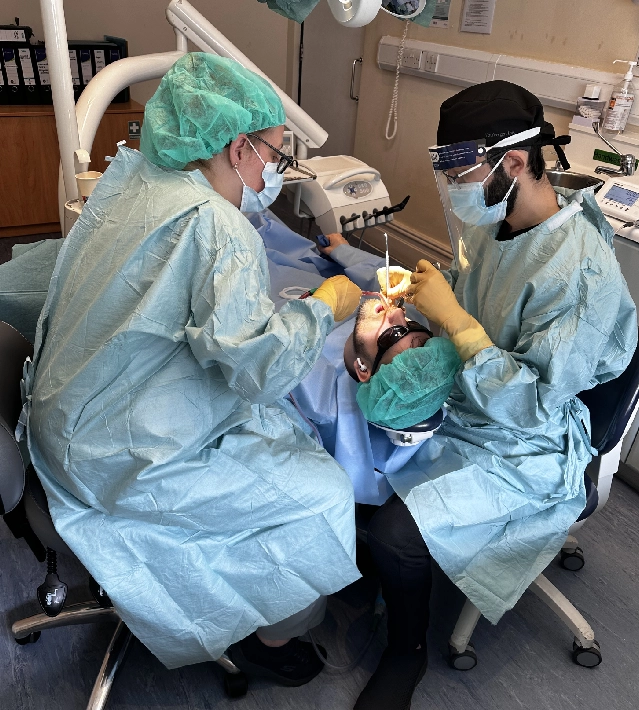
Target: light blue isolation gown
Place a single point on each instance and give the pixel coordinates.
(495, 491)
(327, 393)
(174, 469)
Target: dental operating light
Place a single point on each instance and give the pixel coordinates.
(357, 13)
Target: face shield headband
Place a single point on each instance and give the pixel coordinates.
(466, 153)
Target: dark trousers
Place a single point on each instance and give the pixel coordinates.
(404, 566)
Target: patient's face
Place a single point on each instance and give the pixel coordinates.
(372, 321)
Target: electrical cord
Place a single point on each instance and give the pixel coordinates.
(361, 236)
(392, 114)
(627, 224)
(378, 615)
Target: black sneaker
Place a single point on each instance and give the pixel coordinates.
(293, 664)
(392, 685)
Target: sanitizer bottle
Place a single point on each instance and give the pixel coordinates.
(621, 100)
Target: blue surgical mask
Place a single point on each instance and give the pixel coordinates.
(253, 201)
(468, 202)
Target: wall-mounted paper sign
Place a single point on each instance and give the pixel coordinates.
(441, 14)
(478, 16)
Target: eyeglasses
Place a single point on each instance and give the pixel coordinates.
(393, 335)
(453, 179)
(286, 161)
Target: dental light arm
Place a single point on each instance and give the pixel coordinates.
(193, 25)
(75, 137)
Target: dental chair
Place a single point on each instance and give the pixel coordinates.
(23, 505)
(612, 407)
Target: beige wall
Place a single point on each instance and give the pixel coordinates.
(257, 31)
(576, 32)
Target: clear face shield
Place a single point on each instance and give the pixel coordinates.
(461, 184)
(448, 162)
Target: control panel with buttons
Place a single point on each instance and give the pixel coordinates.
(619, 199)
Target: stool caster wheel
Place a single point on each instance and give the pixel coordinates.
(235, 684)
(586, 657)
(464, 661)
(31, 638)
(573, 561)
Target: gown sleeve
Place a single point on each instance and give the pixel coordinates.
(580, 333)
(451, 274)
(263, 355)
(360, 266)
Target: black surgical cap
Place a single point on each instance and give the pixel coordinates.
(493, 111)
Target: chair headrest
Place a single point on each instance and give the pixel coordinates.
(411, 436)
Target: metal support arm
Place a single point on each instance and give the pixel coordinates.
(627, 162)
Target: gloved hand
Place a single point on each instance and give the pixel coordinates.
(399, 281)
(340, 294)
(434, 298)
(329, 242)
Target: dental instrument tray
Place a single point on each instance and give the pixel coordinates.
(293, 176)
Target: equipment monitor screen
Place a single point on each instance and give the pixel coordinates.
(622, 195)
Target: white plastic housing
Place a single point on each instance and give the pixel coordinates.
(354, 13)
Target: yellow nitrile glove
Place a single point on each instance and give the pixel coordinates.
(398, 278)
(340, 294)
(434, 298)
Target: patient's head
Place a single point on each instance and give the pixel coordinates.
(362, 354)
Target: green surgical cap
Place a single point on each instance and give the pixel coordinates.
(412, 387)
(202, 104)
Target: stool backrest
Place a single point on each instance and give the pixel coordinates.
(611, 405)
(14, 350)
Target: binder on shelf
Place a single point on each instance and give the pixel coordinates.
(75, 73)
(39, 54)
(10, 65)
(4, 87)
(30, 92)
(24, 68)
(92, 57)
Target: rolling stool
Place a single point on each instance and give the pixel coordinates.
(613, 405)
(24, 507)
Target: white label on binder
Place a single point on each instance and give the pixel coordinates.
(75, 72)
(11, 67)
(27, 67)
(43, 66)
(85, 64)
(100, 62)
(12, 36)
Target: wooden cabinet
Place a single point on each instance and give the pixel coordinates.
(29, 163)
